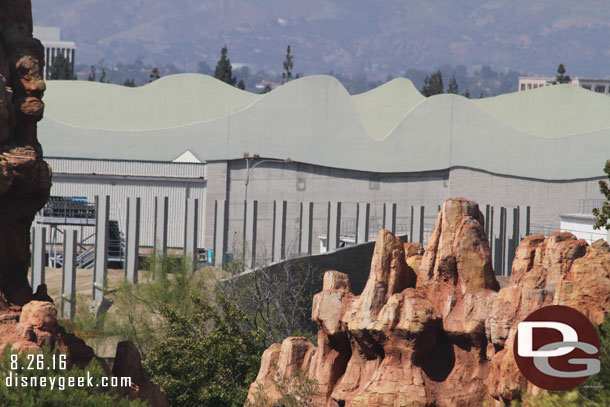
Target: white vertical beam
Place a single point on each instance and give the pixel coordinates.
(250, 220)
(191, 227)
(133, 240)
(161, 213)
(333, 226)
(39, 257)
(68, 280)
(389, 216)
(417, 224)
(306, 227)
(220, 232)
(362, 222)
(102, 213)
(278, 248)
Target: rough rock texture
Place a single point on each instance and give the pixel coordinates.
(25, 179)
(27, 323)
(433, 329)
(129, 363)
(34, 326)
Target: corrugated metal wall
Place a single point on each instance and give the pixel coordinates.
(119, 167)
(181, 181)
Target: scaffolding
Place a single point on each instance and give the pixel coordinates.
(60, 212)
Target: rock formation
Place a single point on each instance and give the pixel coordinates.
(435, 330)
(25, 181)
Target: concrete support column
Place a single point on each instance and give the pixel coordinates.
(191, 229)
(487, 215)
(278, 248)
(220, 232)
(333, 226)
(39, 257)
(511, 240)
(305, 227)
(362, 222)
(160, 236)
(491, 228)
(216, 188)
(102, 213)
(417, 224)
(250, 221)
(524, 222)
(133, 240)
(389, 216)
(68, 276)
(499, 236)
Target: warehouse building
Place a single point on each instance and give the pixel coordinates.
(310, 141)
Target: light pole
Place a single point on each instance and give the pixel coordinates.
(249, 167)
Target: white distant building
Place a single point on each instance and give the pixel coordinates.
(53, 46)
(534, 82)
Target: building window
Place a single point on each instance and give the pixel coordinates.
(301, 186)
(588, 87)
(529, 85)
(523, 86)
(535, 85)
(600, 88)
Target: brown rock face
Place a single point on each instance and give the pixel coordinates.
(128, 363)
(25, 179)
(434, 329)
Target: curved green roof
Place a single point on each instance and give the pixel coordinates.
(552, 111)
(557, 133)
(172, 101)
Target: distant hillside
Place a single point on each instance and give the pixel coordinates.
(375, 37)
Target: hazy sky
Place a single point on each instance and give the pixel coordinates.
(377, 37)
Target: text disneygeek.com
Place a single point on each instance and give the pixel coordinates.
(56, 362)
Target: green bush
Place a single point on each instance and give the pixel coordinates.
(45, 396)
(208, 358)
(134, 314)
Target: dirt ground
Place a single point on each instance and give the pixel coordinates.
(84, 281)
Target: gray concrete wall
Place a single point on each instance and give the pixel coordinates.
(300, 182)
(296, 182)
(216, 189)
(547, 199)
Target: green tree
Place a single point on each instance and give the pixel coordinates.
(61, 69)
(266, 89)
(602, 215)
(433, 84)
(453, 86)
(207, 359)
(91, 76)
(288, 65)
(241, 84)
(224, 70)
(597, 387)
(154, 75)
(561, 76)
(466, 94)
(103, 76)
(130, 83)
